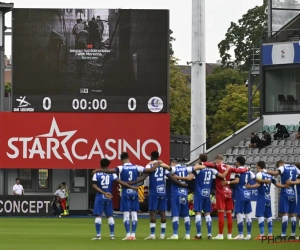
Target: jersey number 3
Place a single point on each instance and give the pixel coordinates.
(130, 176)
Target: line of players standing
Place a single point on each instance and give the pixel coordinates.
(203, 172)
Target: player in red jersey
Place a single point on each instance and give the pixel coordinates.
(224, 201)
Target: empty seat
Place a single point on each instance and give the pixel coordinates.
(249, 159)
(255, 151)
(266, 127)
(276, 151)
(297, 158)
(291, 159)
(262, 151)
(269, 151)
(296, 127)
(295, 142)
(235, 151)
(274, 143)
(284, 158)
(272, 129)
(256, 158)
(297, 151)
(247, 143)
(271, 158)
(241, 144)
(290, 151)
(229, 159)
(281, 143)
(288, 143)
(242, 151)
(282, 151)
(263, 158)
(271, 166)
(229, 151)
(277, 158)
(291, 128)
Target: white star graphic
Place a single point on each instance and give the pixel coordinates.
(67, 135)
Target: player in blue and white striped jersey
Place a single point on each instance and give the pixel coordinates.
(129, 200)
(287, 203)
(103, 184)
(157, 194)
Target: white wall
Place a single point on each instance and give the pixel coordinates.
(282, 119)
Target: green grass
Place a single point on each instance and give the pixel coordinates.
(76, 234)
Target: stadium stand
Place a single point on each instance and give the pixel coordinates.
(285, 149)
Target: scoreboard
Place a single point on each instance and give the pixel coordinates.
(90, 60)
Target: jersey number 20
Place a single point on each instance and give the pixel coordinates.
(104, 180)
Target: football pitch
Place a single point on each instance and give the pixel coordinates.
(76, 234)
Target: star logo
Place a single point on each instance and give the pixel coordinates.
(67, 134)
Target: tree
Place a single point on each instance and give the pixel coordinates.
(180, 101)
(216, 90)
(232, 112)
(180, 96)
(243, 37)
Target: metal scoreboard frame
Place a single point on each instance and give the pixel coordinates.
(44, 81)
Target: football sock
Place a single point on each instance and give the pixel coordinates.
(229, 222)
(198, 224)
(221, 222)
(284, 224)
(293, 222)
(126, 223)
(152, 228)
(240, 223)
(270, 226)
(261, 225)
(111, 224)
(163, 228)
(248, 223)
(98, 222)
(134, 223)
(175, 224)
(187, 223)
(208, 224)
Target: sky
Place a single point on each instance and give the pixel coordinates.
(219, 14)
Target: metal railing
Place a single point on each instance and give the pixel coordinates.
(283, 35)
(232, 126)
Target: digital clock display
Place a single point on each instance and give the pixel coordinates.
(90, 60)
(91, 104)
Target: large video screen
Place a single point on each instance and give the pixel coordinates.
(90, 60)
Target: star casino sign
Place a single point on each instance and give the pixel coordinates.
(80, 140)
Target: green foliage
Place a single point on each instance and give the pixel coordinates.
(232, 112)
(244, 36)
(7, 87)
(171, 39)
(216, 90)
(180, 101)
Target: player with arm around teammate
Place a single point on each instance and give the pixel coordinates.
(103, 183)
(202, 202)
(242, 205)
(157, 194)
(263, 204)
(129, 200)
(179, 200)
(297, 183)
(224, 201)
(287, 202)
